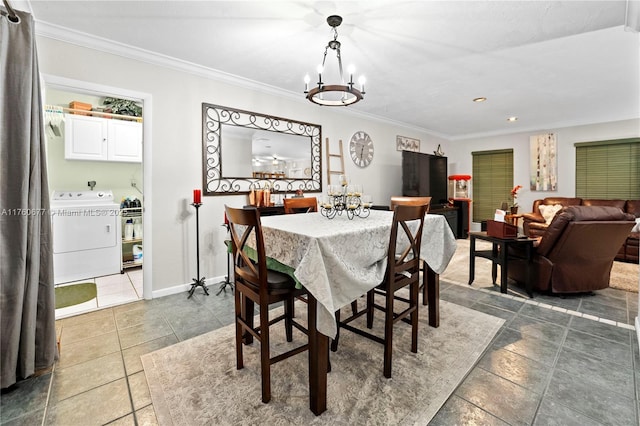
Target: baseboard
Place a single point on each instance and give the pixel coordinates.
(180, 288)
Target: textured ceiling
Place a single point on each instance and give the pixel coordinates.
(550, 63)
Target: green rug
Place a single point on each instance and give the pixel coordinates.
(75, 294)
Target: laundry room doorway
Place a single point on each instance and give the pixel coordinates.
(98, 160)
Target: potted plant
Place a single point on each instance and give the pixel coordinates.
(122, 106)
(514, 197)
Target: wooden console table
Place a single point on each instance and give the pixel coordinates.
(268, 210)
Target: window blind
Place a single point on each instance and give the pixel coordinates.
(608, 169)
(492, 181)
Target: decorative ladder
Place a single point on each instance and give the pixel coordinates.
(330, 172)
(330, 156)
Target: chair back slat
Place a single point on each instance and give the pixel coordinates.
(243, 225)
(410, 201)
(300, 205)
(410, 220)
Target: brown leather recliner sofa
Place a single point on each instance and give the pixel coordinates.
(577, 250)
(535, 225)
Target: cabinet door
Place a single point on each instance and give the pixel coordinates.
(125, 141)
(85, 138)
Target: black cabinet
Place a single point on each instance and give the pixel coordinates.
(451, 215)
(463, 217)
(425, 175)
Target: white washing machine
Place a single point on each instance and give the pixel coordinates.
(86, 235)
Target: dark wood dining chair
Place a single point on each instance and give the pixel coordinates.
(410, 201)
(403, 271)
(415, 201)
(254, 283)
(300, 205)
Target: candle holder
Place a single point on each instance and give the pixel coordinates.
(227, 279)
(345, 200)
(197, 282)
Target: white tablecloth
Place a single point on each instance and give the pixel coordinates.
(338, 260)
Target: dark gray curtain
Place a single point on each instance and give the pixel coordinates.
(27, 306)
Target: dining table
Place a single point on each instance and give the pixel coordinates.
(340, 259)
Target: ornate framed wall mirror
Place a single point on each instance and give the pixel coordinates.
(243, 150)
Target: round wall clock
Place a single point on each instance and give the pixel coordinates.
(361, 149)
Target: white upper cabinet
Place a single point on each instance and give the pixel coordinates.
(101, 139)
(125, 141)
(85, 138)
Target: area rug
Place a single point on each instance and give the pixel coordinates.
(195, 382)
(74, 294)
(624, 276)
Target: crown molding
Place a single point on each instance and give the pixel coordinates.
(552, 127)
(56, 32)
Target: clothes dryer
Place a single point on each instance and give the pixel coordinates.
(86, 235)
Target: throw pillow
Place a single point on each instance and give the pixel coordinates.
(548, 212)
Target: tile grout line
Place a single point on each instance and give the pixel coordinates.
(49, 391)
(552, 307)
(504, 326)
(554, 365)
(124, 367)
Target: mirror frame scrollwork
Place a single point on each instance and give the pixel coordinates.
(214, 183)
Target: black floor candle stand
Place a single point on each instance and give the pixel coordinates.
(197, 282)
(227, 279)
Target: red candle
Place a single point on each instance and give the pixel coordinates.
(197, 196)
(226, 220)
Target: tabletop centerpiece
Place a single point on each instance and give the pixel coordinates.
(345, 198)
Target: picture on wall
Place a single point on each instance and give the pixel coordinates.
(544, 163)
(404, 143)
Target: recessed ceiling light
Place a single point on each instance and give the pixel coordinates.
(482, 99)
(512, 119)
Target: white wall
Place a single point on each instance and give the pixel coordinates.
(460, 160)
(177, 149)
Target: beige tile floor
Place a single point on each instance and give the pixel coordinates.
(112, 290)
(98, 378)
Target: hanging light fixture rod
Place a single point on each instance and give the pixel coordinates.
(334, 94)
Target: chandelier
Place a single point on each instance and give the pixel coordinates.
(347, 199)
(334, 94)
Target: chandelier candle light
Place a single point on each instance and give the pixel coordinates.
(334, 94)
(345, 198)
